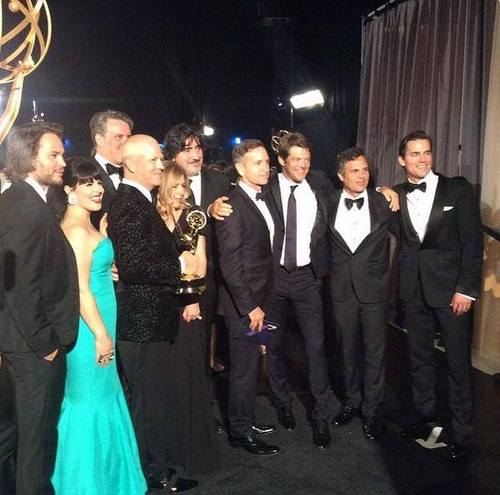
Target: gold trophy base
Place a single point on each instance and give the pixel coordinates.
(191, 284)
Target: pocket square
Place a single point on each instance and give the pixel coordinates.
(448, 208)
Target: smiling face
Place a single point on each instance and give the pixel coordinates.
(49, 163)
(190, 159)
(417, 159)
(297, 164)
(88, 194)
(355, 176)
(253, 168)
(110, 144)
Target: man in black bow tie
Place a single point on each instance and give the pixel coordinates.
(441, 257)
(358, 226)
(109, 130)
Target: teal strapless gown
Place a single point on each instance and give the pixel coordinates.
(97, 451)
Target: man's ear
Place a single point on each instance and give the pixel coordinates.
(341, 177)
(401, 161)
(240, 169)
(99, 138)
(281, 161)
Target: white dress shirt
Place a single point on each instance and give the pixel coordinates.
(354, 224)
(139, 187)
(115, 178)
(261, 205)
(41, 190)
(307, 207)
(420, 204)
(195, 185)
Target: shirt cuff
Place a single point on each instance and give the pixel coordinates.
(183, 264)
(465, 295)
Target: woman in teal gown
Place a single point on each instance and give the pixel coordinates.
(97, 452)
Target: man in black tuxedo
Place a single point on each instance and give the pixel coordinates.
(39, 312)
(441, 255)
(109, 129)
(184, 145)
(358, 225)
(148, 311)
(300, 197)
(245, 240)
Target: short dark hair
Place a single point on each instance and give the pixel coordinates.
(98, 121)
(413, 136)
(23, 143)
(80, 170)
(292, 139)
(240, 150)
(348, 155)
(176, 138)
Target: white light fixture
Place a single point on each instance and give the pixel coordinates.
(308, 99)
(208, 131)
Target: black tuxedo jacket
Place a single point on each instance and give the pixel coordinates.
(41, 300)
(367, 269)
(450, 256)
(147, 261)
(246, 259)
(109, 194)
(322, 188)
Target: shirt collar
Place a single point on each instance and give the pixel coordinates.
(195, 178)
(285, 181)
(345, 194)
(41, 190)
(140, 188)
(102, 161)
(249, 190)
(430, 178)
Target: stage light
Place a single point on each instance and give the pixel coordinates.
(236, 140)
(308, 99)
(208, 131)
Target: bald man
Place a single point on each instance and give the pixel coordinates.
(148, 311)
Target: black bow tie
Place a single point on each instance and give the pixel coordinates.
(349, 202)
(260, 195)
(410, 187)
(112, 169)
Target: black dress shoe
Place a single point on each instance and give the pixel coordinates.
(253, 445)
(373, 428)
(263, 429)
(459, 450)
(345, 416)
(286, 418)
(321, 434)
(182, 485)
(171, 484)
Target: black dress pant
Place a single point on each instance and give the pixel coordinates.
(361, 331)
(146, 375)
(456, 332)
(242, 380)
(301, 289)
(38, 392)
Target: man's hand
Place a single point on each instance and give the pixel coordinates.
(114, 273)
(190, 262)
(460, 304)
(51, 356)
(391, 196)
(191, 312)
(219, 209)
(256, 319)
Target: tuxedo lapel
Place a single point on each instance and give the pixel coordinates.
(436, 215)
(376, 216)
(274, 188)
(408, 229)
(205, 188)
(107, 183)
(252, 206)
(336, 234)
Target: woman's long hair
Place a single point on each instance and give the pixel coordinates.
(171, 174)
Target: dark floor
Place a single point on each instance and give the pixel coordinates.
(354, 465)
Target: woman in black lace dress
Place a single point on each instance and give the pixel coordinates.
(192, 445)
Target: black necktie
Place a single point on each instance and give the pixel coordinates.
(112, 169)
(410, 187)
(291, 232)
(260, 195)
(349, 202)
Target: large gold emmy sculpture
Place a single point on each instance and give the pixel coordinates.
(26, 47)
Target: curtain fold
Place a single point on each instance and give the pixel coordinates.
(422, 68)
